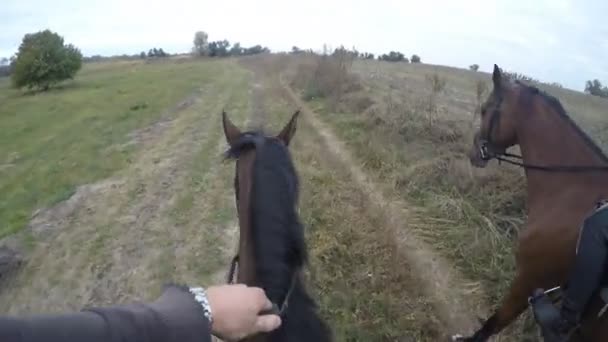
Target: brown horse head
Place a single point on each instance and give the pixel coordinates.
(499, 115)
(272, 249)
(566, 174)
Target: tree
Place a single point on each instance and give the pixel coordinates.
(595, 88)
(393, 56)
(4, 61)
(142, 55)
(295, 50)
(236, 50)
(201, 43)
(416, 59)
(219, 48)
(474, 67)
(367, 55)
(44, 60)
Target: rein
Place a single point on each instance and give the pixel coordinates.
(487, 153)
(276, 310)
(504, 157)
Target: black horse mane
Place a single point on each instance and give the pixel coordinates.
(557, 106)
(278, 236)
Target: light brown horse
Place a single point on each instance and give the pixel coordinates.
(566, 175)
(272, 250)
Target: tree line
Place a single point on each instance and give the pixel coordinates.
(222, 48)
(44, 59)
(392, 56)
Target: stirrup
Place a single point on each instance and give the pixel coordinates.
(604, 296)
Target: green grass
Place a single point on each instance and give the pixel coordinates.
(54, 141)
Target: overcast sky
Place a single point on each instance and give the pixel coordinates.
(562, 41)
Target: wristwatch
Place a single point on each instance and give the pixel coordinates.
(201, 297)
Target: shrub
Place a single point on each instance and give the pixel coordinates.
(416, 59)
(474, 67)
(595, 88)
(44, 60)
(393, 56)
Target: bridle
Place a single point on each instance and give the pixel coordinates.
(487, 151)
(276, 309)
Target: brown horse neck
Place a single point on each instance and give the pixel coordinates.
(547, 138)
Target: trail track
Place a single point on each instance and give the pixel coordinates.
(170, 215)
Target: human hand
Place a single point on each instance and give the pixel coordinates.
(236, 311)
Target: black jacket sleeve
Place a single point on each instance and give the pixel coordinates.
(175, 316)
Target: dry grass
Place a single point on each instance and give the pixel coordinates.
(414, 139)
(364, 288)
(167, 216)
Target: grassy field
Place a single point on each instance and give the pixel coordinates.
(150, 197)
(124, 164)
(410, 126)
(161, 200)
(78, 133)
(365, 290)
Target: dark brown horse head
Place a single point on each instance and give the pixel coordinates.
(499, 115)
(272, 249)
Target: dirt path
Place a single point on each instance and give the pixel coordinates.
(447, 289)
(170, 217)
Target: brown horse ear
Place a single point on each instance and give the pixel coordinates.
(231, 132)
(497, 77)
(290, 129)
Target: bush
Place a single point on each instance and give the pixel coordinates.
(5, 67)
(393, 56)
(367, 55)
(44, 60)
(595, 88)
(326, 76)
(154, 52)
(474, 67)
(416, 59)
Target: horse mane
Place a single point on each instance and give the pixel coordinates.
(554, 103)
(278, 236)
(277, 232)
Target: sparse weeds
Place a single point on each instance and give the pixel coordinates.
(326, 76)
(436, 86)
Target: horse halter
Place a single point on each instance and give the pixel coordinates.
(487, 152)
(276, 309)
(485, 143)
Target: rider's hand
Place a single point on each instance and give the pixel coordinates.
(236, 311)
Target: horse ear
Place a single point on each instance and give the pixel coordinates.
(289, 130)
(231, 132)
(497, 77)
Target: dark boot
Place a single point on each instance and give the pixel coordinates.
(589, 266)
(553, 326)
(587, 273)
